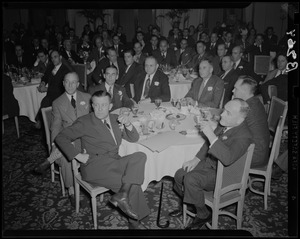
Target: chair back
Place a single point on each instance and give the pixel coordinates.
(222, 100)
(272, 90)
(277, 108)
(233, 177)
(276, 144)
(47, 115)
(261, 64)
(81, 70)
(75, 167)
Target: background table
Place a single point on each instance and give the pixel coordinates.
(29, 99)
(168, 161)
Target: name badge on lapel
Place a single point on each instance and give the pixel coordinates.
(209, 88)
(156, 83)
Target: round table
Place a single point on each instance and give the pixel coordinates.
(29, 99)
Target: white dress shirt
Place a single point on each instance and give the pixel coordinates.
(146, 78)
(56, 68)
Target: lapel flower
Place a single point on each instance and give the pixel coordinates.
(209, 88)
(224, 137)
(156, 83)
(82, 103)
(120, 94)
(240, 67)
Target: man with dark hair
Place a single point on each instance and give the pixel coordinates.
(256, 119)
(184, 54)
(139, 56)
(207, 90)
(111, 59)
(133, 69)
(226, 142)
(119, 47)
(152, 45)
(164, 55)
(101, 164)
(42, 61)
(117, 92)
(21, 58)
(69, 54)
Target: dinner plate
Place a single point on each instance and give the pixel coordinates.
(178, 116)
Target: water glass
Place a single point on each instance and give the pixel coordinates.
(173, 123)
(157, 102)
(173, 102)
(134, 110)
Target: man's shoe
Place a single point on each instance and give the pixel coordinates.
(198, 223)
(178, 212)
(123, 204)
(41, 168)
(276, 172)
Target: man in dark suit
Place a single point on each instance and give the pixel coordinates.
(98, 52)
(53, 77)
(101, 137)
(164, 55)
(132, 70)
(229, 76)
(257, 120)
(65, 110)
(213, 44)
(229, 42)
(152, 83)
(111, 59)
(42, 61)
(270, 39)
(174, 39)
(151, 46)
(184, 54)
(118, 93)
(207, 90)
(139, 56)
(69, 54)
(21, 59)
(118, 46)
(186, 35)
(199, 174)
(121, 35)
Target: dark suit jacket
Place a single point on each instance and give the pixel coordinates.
(159, 87)
(229, 81)
(9, 103)
(212, 50)
(194, 63)
(281, 82)
(98, 142)
(149, 49)
(55, 82)
(100, 68)
(228, 148)
(174, 42)
(27, 61)
(74, 56)
(142, 59)
(130, 77)
(118, 99)
(258, 125)
(121, 49)
(170, 57)
(96, 55)
(229, 48)
(212, 92)
(245, 68)
(41, 67)
(185, 57)
(191, 42)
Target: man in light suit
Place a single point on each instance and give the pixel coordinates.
(131, 72)
(207, 90)
(118, 94)
(64, 114)
(229, 76)
(152, 83)
(225, 144)
(101, 164)
(257, 120)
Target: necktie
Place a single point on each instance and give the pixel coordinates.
(234, 65)
(73, 102)
(110, 91)
(20, 59)
(201, 89)
(163, 55)
(212, 46)
(107, 124)
(222, 131)
(222, 76)
(147, 87)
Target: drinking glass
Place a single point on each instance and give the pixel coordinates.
(178, 104)
(135, 110)
(173, 123)
(173, 102)
(191, 70)
(151, 125)
(157, 102)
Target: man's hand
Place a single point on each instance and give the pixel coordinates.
(206, 128)
(124, 119)
(147, 100)
(82, 157)
(42, 88)
(190, 165)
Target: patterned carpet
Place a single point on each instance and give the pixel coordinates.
(35, 203)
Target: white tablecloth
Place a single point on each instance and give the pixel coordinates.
(179, 89)
(168, 161)
(29, 99)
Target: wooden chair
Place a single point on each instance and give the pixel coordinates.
(46, 113)
(231, 184)
(272, 91)
(278, 108)
(94, 191)
(81, 70)
(4, 117)
(266, 172)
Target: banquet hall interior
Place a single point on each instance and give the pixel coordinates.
(38, 204)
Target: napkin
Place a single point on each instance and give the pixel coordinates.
(36, 81)
(162, 141)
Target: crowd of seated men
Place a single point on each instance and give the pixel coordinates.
(221, 56)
